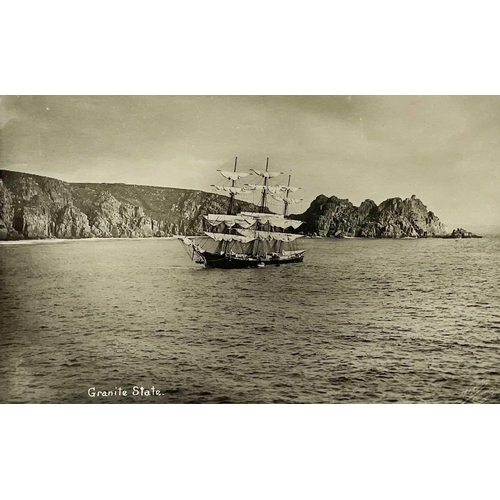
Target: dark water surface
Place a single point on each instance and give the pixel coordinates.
(360, 321)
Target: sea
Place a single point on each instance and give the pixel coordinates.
(359, 321)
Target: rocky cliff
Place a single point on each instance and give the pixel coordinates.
(393, 218)
(32, 206)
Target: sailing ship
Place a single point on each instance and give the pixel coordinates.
(249, 239)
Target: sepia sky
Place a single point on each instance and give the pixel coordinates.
(444, 149)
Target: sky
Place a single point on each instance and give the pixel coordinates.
(443, 149)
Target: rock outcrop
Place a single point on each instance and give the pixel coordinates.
(33, 206)
(462, 233)
(393, 218)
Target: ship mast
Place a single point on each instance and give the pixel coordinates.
(264, 189)
(255, 234)
(230, 207)
(259, 226)
(285, 213)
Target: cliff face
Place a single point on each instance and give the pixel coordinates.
(393, 218)
(33, 206)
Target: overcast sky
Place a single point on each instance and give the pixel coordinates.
(445, 150)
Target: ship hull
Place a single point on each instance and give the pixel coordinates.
(218, 261)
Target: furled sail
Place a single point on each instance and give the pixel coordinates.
(267, 175)
(289, 201)
(283, 223)
(229, 189)
(224, 217)
(269, 189)
(268, 236)
(229, 220)
(278, 189)
(233, 176)
(230, 237)
(254, 187)
(273, 219)
(257, 235)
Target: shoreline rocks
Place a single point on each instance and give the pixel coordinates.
(393, 218)
(462, 233)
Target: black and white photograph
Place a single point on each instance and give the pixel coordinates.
(250, 249)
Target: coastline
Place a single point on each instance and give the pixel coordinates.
(48, 241)
(64, 240)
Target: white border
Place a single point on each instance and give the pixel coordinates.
(248, 452)
(266, 47)
(351, 451)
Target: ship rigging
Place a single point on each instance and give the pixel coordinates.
(249, 239)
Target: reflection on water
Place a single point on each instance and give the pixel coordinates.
(360, 321)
